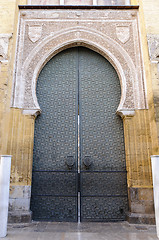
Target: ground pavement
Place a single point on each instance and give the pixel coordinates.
(81, 231)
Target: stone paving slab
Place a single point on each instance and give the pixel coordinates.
(81, 231)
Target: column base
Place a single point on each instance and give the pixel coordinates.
(141, 218)
(141, 206)
(19, 217)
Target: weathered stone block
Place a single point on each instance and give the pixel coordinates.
(141, 206)
(20, 191)
(19, 216)
(19, 198)
(136, 218)
(19, 204)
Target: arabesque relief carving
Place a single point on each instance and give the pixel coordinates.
(113, 33)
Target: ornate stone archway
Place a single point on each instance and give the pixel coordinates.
(115, 37)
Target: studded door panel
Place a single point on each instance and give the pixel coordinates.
(103, 175)
(79, 76)
(54, 180)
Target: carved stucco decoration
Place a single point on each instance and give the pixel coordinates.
(4, 44)
(35, 32)
(95, 29)
(123, 33)
(153, 44)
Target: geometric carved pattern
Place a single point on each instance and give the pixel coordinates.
(102, 138)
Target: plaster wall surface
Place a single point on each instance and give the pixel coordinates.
(151, 16)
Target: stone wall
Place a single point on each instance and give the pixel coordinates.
(152, 32)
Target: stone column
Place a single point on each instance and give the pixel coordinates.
(5, 167)
(155, 175)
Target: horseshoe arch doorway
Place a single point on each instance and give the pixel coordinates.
(79, 167)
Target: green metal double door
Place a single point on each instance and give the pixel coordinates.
(79, 167)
